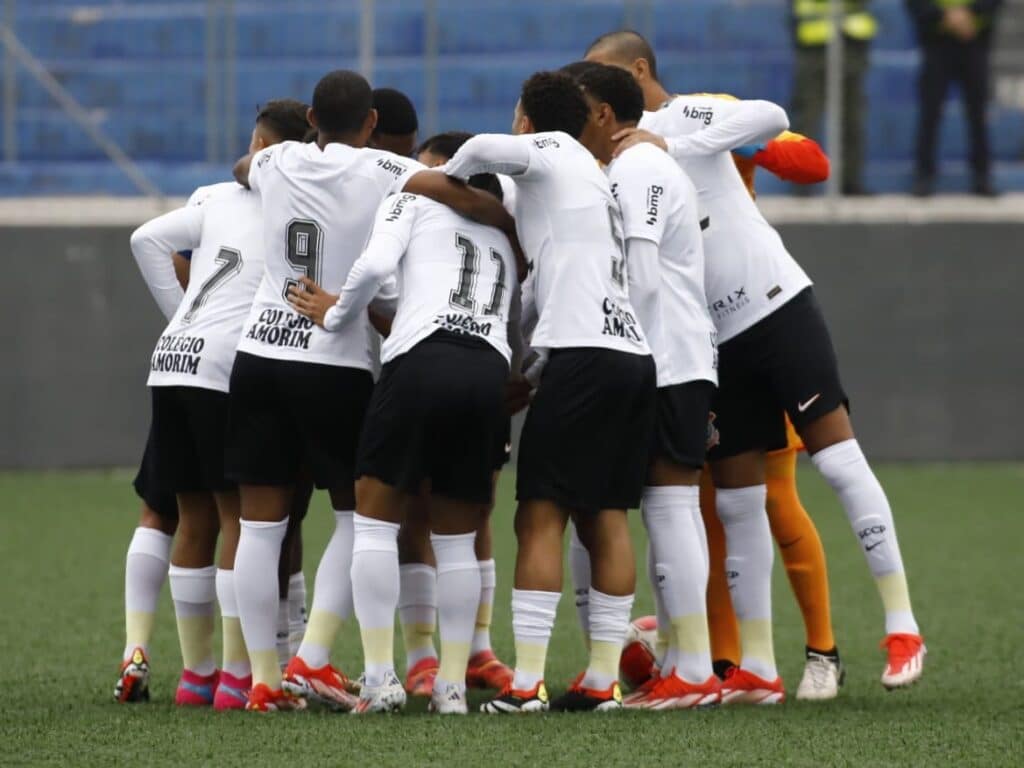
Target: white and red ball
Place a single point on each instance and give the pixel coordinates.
(638, 655)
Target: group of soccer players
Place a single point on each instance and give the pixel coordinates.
(605, 264)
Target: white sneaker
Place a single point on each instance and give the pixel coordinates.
(451, 700)
(823, 676)
(389, 696)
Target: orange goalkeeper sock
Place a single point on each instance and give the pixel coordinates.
(801, 549)
(722, 624)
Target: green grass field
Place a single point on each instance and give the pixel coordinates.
(62, 543)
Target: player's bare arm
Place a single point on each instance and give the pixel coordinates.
(241, 170)
(472, 203)
(311, 300)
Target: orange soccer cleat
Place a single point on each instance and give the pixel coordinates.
(487, 671)
(672, 692)
(743, 687)
(419, 680)
(324, 685)
(263, 698)
(906, 660)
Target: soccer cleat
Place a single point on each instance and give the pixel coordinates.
(632, 700)
(449, 701)
(672, 692)
(195, 690)
(419, 680)
(824, 675)
(324, 685)
(581, 699)
(389, 696)
(232, 692)
(487, 671)
(513, 701)
(133, 684)
(263, 698)
(906, 660)
(743, 687)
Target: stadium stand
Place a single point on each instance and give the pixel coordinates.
(140, 69)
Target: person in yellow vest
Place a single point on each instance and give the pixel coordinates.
(813, 28)
(956, 37)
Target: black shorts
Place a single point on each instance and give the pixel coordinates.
(287, 417)
(436, 415)
(681, 433)
(185, 449)
(586, 441)
(783, 364)
(503, 445)
(147, 485)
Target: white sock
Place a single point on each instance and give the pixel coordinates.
(297, 616)
(332, 594)
(533, 617)
(145, 570)
(844, 467)
(485, 608)
(194, 592)
(748, 563)
(458, 598)
(702, 537)
(609, 622)
(234, 656)
(579, 570)
(681, 578)
(417, 611)
(662, 658)
(284, 651)
(259, 551)
(375, 587)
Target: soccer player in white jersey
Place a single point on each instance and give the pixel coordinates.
(417, 602)
(189, 374)
(775, 352)
(665, 254)
(583, 448)
(299, 393)
(434, 419)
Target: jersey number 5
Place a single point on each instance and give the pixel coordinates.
(230, 262)
(304, 251)
(462, 296)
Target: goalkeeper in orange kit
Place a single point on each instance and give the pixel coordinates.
(797, 159)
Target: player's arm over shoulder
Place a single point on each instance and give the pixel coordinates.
(706, 124)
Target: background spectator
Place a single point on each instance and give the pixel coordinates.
(812, 30)
(956, 38)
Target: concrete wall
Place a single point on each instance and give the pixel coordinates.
(926, 320)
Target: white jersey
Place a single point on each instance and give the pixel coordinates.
(749, 273)
(571, 229)
(318, 208)
(659, 205)
(453, 274)
(225, 234)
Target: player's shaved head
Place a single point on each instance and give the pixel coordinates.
(342, 101)
(283, 120)
(623, 48)
(553, 101)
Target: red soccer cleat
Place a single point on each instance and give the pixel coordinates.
(743, 687)
(486, 671)
(906, 660)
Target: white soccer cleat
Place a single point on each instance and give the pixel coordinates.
(389, 696)
(906, 660)
(823, 677)
(450, 701)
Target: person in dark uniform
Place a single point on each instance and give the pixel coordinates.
(956, 37)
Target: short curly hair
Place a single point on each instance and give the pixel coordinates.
(284, 118)
(554, 102)
(615, 87)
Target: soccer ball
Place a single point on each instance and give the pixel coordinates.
(636, 665)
